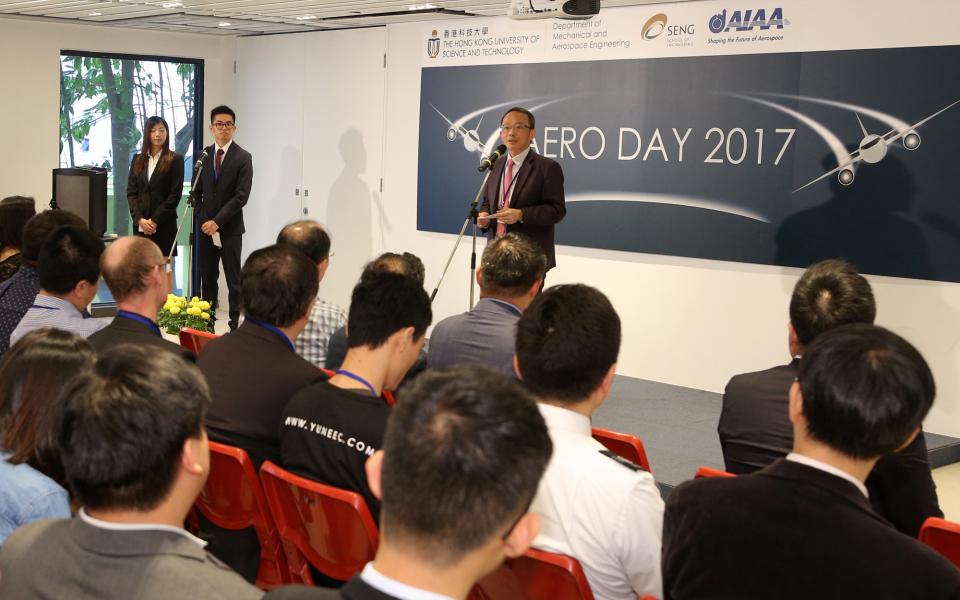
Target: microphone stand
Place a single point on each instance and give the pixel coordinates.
(191, 204)
(471, 216)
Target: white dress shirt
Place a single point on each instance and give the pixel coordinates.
(394, 588)
(593, 508)
(139, 527)
(152, 164)
(818, 464)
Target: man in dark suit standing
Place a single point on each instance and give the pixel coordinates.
(525, 190)
(223, 189)
(803, 527)
(755, 428)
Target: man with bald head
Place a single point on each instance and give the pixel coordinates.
(134, 270)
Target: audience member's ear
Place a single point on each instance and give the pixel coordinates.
(796, 403)
(535, 289)
(480, 276)
(191, 456)
(792, 340)
(910, 439)
(322, 267)
(516, 367)
(522, 535)
(608, 379)
(306, 315)
(404, 338)
(374, 467)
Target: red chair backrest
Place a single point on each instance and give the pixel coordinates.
(943, 536)
(623, 444)
(194, 340)
(233, 499)
(330, 528)
(703, 471)
(549, 576)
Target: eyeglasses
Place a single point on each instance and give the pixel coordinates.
(222, 124)
(518, 128)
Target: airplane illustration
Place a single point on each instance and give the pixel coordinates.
(471, 139)
(873, 148)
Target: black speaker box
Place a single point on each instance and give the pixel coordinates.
(84, 193)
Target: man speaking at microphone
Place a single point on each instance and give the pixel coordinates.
(524, 193)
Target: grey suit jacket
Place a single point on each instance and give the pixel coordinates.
(483, 336)
(69, 558)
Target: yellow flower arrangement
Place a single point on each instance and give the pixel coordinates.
(179, 312)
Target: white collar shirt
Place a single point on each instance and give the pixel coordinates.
(606, 515)
(504, 182)
(139, 527)
(822, 466)
(225, 149)
(394, 588)
(152, 164)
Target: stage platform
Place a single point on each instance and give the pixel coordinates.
(678, 427)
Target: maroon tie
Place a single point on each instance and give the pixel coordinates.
(217, 162)
(507, 184)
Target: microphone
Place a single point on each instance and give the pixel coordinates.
(203, 157)
(488, 161)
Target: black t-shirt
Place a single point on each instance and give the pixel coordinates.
(328, 433)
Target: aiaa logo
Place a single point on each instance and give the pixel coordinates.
(654, 26)
(747, 20)
(433, 45)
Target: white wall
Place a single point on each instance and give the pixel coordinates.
(30, 99)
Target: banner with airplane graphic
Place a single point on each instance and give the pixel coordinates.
(772, 157)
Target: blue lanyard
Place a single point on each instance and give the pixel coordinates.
(124, 314)
(45, 307)
(275, 330)
(356, 377)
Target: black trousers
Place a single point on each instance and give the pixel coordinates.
(210, 258)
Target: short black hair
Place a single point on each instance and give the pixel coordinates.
(865, 390)
(277, 284)
(567, 339)
(520, 109)
(124, 425)
(70, 255)
(384, 303)
(511, 264)
(308, 237)
(15, 211)
(829, 294)
(223, 109)
(40, 226)
(405, 264)
(471, 440)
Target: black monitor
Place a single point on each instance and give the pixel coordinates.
(84, 193)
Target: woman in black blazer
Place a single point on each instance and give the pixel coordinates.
(155, 186)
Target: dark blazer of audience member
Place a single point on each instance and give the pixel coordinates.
(463, 453)
(803, 527)
(15, 211)
(136, 457)
(18, 293)
(510, 275)
(32, 375)
(155, 185)
(134, 270)
(755, 428)
(389, 316)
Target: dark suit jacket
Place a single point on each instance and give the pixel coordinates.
(157, 198)
(252, 374)
(791, 531)
(223, 199)
(128, 331)
(538, 192)
(755, 430)
(355, 589)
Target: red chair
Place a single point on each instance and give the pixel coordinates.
(233, 499)
(943, 536)
(623, 444)
(549, 576)
(319, 525)
(194, 339)
(711, 472)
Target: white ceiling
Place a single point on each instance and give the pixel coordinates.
(253, 17)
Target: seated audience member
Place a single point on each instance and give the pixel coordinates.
(32, 376)
(135, 271)
(15, 211)
(18, 293)
(462, 456)
(755, 428)
(253, 371)
(310, 238)
(389, 315)
(404, 264)
(803, 527)
(69, 270)
(510, 274)
(593, 505)
(135, 455)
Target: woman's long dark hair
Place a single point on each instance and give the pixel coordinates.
(32, 374)
(166, 155)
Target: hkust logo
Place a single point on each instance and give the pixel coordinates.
(747, 20)
(433, 44)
